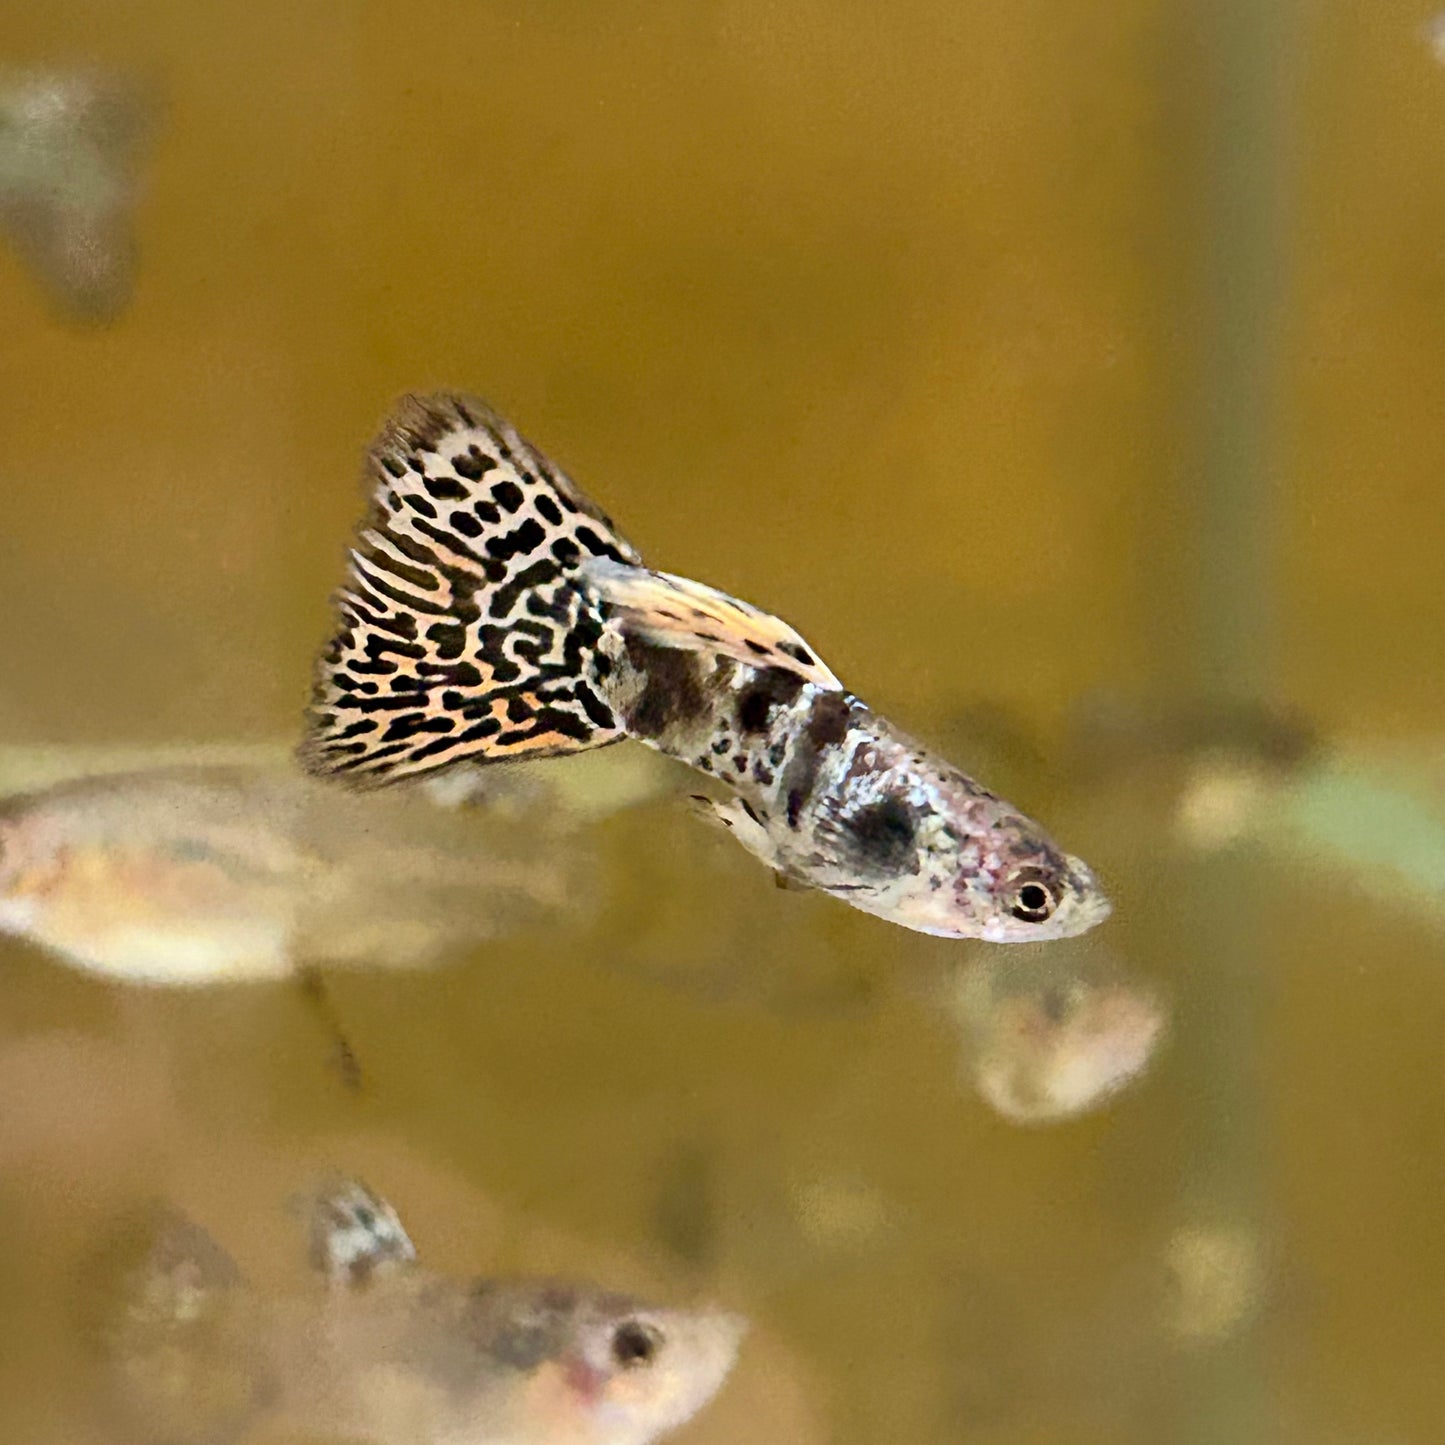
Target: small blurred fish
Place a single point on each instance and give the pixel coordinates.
(1216, 1280)
(1112, 736)
(492, 611)
(1217, 767)
(1433, 32)
(1056, 1040)
(390, 1353)
(71, 144)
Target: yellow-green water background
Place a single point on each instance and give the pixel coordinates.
(933, 327)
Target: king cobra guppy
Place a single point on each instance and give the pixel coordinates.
(493, 612)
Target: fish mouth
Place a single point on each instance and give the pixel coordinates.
(726, 1330)
(1088, 904)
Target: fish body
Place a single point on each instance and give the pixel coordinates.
(385, 1351)
(834, 797)
(493, 611)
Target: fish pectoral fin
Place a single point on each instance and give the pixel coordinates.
(676, 612)
(740, 820)
(708, 810)
(789, 884)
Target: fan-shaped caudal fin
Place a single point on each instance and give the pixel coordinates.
(464, 632)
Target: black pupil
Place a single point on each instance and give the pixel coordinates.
(633, 1345)
(1033, 898)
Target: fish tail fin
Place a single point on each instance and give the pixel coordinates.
(172, 1334)
(355, 1235)
(465, 630)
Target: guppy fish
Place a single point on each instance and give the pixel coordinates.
(70, 145)
(1050, 1040)
(492, 611)
(191, 876)
(385, 1351)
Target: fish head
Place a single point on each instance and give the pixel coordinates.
(654, 1368)
(610, 1370)
(936, 852)
(1029, 892)
(21, 881)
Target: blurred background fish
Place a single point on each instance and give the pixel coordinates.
(71, 147)
(1213, 766)
(245, 871)
(1232, 778)
(384, 1350)
(1050, 1038)
(197, 875)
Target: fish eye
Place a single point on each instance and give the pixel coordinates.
(635, 1344)
(1033, 901)
(1054, 1004)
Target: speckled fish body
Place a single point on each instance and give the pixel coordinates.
(832, 796)
(391, 1353)
(493, 611)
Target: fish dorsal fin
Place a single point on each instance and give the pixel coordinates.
(676, 612)
(356, 1235)
(463, 633)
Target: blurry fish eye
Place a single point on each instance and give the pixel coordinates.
(1054, 1004)
(1033, 902)
(635, 1344)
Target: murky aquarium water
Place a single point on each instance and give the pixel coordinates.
(468, 979)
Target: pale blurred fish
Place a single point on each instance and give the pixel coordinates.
(1057, 1039)
(381, 1349)
(200, 875)
(71, 147)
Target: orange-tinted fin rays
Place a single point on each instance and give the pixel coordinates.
(676, 612)
(463, 633)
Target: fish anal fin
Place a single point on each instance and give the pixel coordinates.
(677, 612)
(738, 818)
